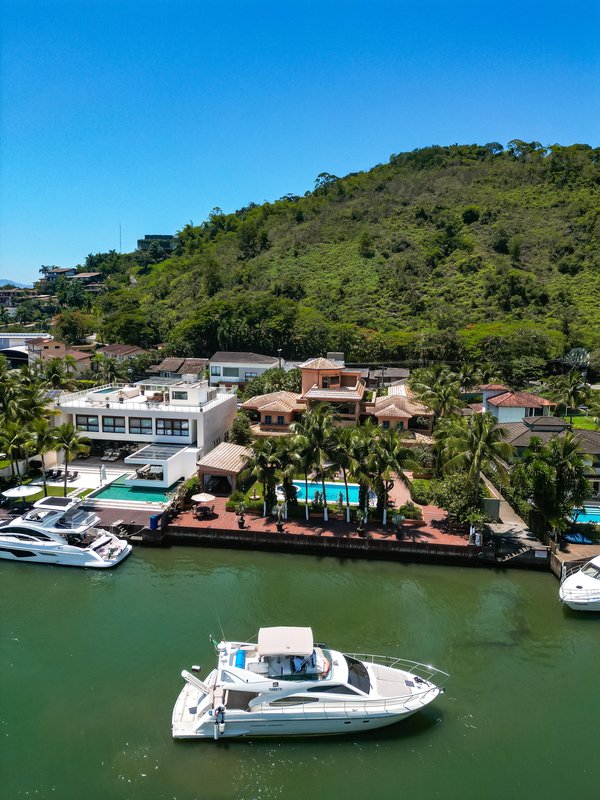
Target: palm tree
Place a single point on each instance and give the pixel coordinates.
(469, 376)
(57, 374)
(388, 458)
(289, 463)
(42, 441)
(474, 443)
(438, 388)
(14, 438)
(553, 475)
(262, 464)
(302, 446)
(108, 369)
(342, 458)
(70, 443)
(570, 391)
(361, 443)
(320, 435)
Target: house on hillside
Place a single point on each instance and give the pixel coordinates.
(175, 367)
(509, 406)
(121, 352)
(58, 272)
(43, 350)
(236, 369)
(328, 380)
(546, 428)
(167, 241)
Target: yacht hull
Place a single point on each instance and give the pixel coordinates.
(186, 724)
(592, 605)
(234, 729)
(81, 558)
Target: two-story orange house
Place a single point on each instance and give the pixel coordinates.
(328, 380)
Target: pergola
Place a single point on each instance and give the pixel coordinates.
(227, 460)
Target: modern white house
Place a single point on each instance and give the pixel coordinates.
(165, 425)
(236, 369)
(508, 406)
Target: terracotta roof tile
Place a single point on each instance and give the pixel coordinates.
(519, 400)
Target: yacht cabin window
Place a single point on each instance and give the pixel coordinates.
(591, 570)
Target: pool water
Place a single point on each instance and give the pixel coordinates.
(587, 514)
(332, 490)
(117, 490)
(106, 391)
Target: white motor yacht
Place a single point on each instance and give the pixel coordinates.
(286, 685)
(580, 587)
(58, 530)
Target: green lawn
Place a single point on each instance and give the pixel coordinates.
(584, 422)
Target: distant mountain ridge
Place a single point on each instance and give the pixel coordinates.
(6, 282)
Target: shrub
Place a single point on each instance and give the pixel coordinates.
(410, 511)
(420, 492)
(189, 488)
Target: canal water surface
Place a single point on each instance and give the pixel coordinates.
(91, 667)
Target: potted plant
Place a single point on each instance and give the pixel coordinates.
(398, 520)
(239, 510)
(360, 523)
(278, 512)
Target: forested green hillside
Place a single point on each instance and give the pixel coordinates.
(471, 251)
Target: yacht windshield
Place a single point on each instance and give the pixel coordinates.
(358, 675)
(591, 570)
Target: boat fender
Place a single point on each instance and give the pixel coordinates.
(219, 728)
(196, 667)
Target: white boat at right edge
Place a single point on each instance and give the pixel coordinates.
(285, 685)
(580, 587)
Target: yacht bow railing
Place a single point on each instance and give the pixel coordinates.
(425, 671)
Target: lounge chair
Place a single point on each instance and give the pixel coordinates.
(50, 474)
(58, 475)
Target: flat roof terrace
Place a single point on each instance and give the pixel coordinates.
(131, 397)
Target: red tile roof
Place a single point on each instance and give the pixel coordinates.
(519, 400)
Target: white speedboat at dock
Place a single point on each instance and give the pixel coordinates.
(580, 587)
(286, 685)
(57, 530)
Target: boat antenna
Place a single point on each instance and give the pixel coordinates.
(220, 626)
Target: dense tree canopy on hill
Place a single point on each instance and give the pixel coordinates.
(478, 252)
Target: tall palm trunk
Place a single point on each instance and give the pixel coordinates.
(44, 474)
(325, 511)
(66, 472)
(306, 511)
(264, 486)
(344, 473)
(385, 502)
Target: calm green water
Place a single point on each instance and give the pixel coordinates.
(91, 663)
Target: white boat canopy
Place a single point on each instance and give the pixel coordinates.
(285, 641)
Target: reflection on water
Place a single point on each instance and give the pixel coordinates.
(92, 665)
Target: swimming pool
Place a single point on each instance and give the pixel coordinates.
(587, 514)
(138, 494)
(105, 391)
(332, 490)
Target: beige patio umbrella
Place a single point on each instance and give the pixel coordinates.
(203, 497)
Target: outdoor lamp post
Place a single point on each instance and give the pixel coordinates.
(279, 356)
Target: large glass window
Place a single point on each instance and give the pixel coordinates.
(280, 421)
(250, 375)
(358, 675)
(84, 422)
(231, 372)
(113, 424)
(215, 371)
(172, 427)
(141, 425)
(176, 394)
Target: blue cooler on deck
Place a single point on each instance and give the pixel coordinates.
(154, 520)
(240, 659)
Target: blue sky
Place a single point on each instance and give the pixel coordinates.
(149, 114)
